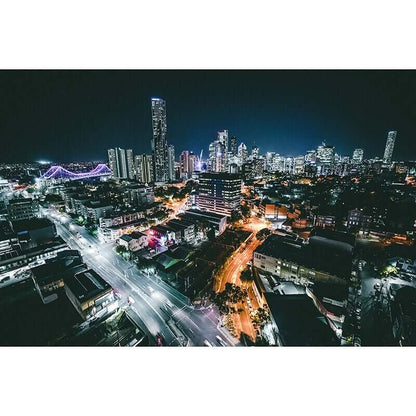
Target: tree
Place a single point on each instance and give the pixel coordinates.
(247, 275)
(263, 234)
(120, 249)
(236, 216)
(261, 316)
(245, 211)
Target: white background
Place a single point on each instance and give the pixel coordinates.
(212, 34)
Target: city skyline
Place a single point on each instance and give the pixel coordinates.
(284, 124)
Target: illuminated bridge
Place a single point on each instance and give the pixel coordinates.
(58, 172)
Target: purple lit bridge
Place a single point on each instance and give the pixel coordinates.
(58, 172)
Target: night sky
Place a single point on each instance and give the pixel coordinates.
(65, 116)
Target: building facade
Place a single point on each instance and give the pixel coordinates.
(159, 142)
(388, 151)
(219, 192)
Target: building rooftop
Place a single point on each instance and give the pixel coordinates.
(57, 269)
(220, 175)
(181, 252)
(298, 321)
(21, 201)
(137, 234)
(126, 238)
(32, 224)
(87, 285)
(198, 213)
(166, 261)
(316, 256)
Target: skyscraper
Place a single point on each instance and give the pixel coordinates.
(326, 154)
(219, 192)
(171, 162)
(254, 152)
(218, 153)
(388, 151)
(232, 146)
(159, 143)
(130, 163)
(118, 163)
(112, 162)
(187, 164)
(121, 163)
(357, 156)
(269, 161)
(144, 168)
(242, 153)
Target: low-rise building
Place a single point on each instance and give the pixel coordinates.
(20, 258)
(9, 242)
(403, 313)
(272, 211)
(49, 277)
(295, 321)
(23, 209)
(216, 221)
(290, 258)
(324, 221)
(357, 219)
(35, 231)
(94, 210)
(90, 294)
(134, 241)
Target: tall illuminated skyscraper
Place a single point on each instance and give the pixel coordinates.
(130, 163)
(121, 163)
(388, 151)
(118, 163)
(144, 168)
(254, 152)
(242, 153)
(218, 153)
(171, 162)
(159, 143)
(112, 162)
(357, 156)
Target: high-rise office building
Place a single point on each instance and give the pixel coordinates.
(112, 162)
(192, 162)
(171, 162)
(218, 153)
(183, 163)
(326, 154)
(130, 163)
(144, 168)
(325, 159)
(232, 146)
(242, 153)
(117, 161)
(254, 152)
(388, 151)
(299, 165)
(122, 163)
(269, 161)
(222, 137)
(219, 192)
(310, 157)
(187, 162)
(358, 156)
(159, 143)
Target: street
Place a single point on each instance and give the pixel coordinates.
(232, 273)
(156, 307)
